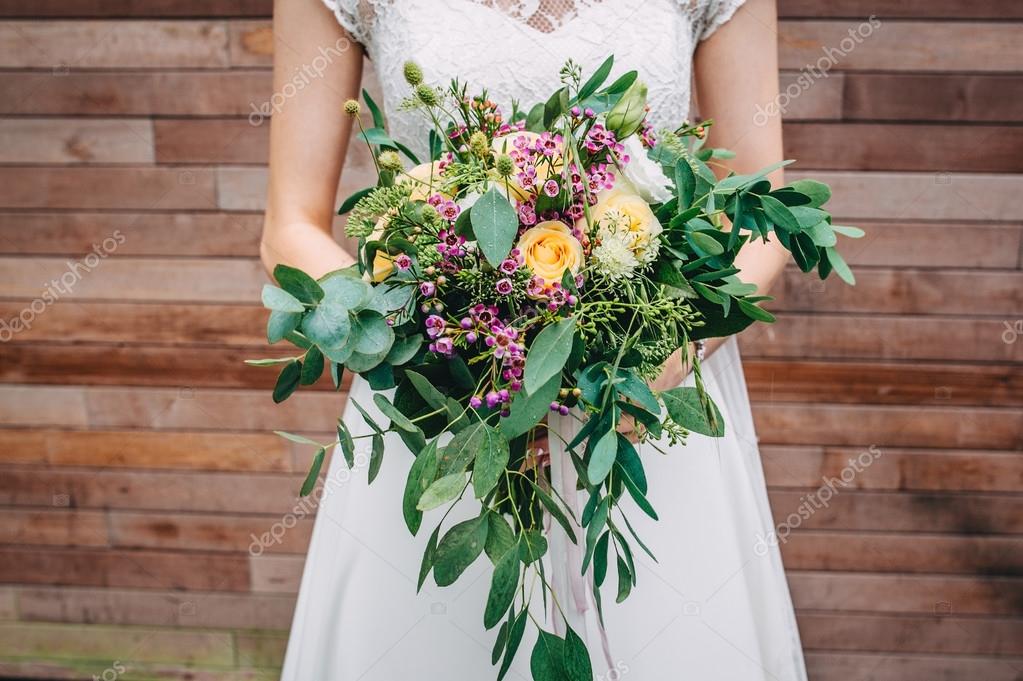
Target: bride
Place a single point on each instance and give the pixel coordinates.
(715, 605)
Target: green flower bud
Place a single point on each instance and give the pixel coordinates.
(427, 95)
(389, 160)
(505, 165)
(478, 144)
(413, 74)
(352, 107)
(627, 115)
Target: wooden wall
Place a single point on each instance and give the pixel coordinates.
(135, 454)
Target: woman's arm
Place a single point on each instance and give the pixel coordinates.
(308, 136)
(737, 71)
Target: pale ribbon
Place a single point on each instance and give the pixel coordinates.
(573, 589)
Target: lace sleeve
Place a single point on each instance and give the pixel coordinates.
(713, 14)
(355, 16)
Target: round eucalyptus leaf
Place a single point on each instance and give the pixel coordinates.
(328, 325)
(345, 289)
(371, 333)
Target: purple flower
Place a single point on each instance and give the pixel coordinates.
(450, 243)
(527, 214)
(493, 399)
(475, 401)
(449, 210)
(435, 326)
(550, 188)
(509, 265)
(403, 262)
(443, 346)
(504, 286)
(427, 288)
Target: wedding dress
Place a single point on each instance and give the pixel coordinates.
(715, 605)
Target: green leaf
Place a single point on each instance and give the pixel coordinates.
(348, 290)
(705, 242)
(287, 381)
(299, 284)
(818, 192)
(280, 300)
(635, 388)
(314, 472)
(533, 546)
(554, 107)
(350, 202)
(495, 224)
(459, 548)
(272, 361)
(441, 491)
(491, 460)
(686, 408)
(630, 463)
(281, 324)
(464, 446)
(390, 411)
(600, 559)
(556, 512)
(374, 110)
(755, 311)
(548, 353)
(404, 349)
(841, 268)
(420, 475)
(312, 367)
(779, 214)
(336, 374)
(344, 438)
(358, 362)
(597, 79)
(529, 408)
(376, 457)
(426, 389)
(371, 333)
(851, 232)
(502, 588)
(296, 438)
(624, 581)
(428, 553)
(515, 632)
(328, 325)
(577, 658)
(500, 536)
(602, 458)
(547, 663)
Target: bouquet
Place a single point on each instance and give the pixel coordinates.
(548, 263)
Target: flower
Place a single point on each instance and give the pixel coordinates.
(425, 179)
(504, 286)
(403, 262)
(549, 249)
(645, 176)
(614, 258)
(435, 325)
(628, 217)
(383, 266)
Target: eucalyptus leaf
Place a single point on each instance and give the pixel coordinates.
(495, 224)
(459, 549)
(491, 460)
(686, 408)
(278, 299)
(299, 284)
(287, 381)
(502, 588)
(441, 491)
(314, 472)
(603, 457)
(549, 353)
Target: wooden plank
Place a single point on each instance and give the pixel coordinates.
(261, 649)
(888, 146)
(158, 608)
(881, 633)
(904, 291)
(823, 101)
(53, 528)
(983, 97)
(103, 644)
(276, 573)
(902, 9)
(875, 552)
(931, 244)
(75, 141)
(896, 469)
(164, 93)
(244, 188)
(142, 279)
(59, 45)
(870, 382)
(899, 46)
(132, 8)
(129, 449)
(129, 569)
(927, 196)
(251, 43)
(835, 508)
(136, 188)
(906, 594)
(220, 532)
(891, 667)
(214, 140)
(176, 234)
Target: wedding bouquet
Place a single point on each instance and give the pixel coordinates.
(550, 261)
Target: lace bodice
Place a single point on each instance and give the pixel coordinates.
(515, 48)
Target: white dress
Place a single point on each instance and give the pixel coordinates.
(716, 605)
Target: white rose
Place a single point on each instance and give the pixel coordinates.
(645, 175)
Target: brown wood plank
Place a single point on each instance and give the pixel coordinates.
(900, 667)
(874, 552)
(887, 146)
(194, 532)
(127, 449)
(113, 44)
(920, 594)
(129, 569)
(936, 634)
(984, 97)
(177, 234)
(902, 9)
(899, 46)
(166, 93)
(75, 141)
(931, 244)
(252, 43)
(884, 383)
(53, 528)
(896, 469)
(836, 508)
(132, 8)
(142, 188)
(159, 608)
(231, 140)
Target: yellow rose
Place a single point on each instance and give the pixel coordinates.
(425, 179)
(549, 249)
(629, 218)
